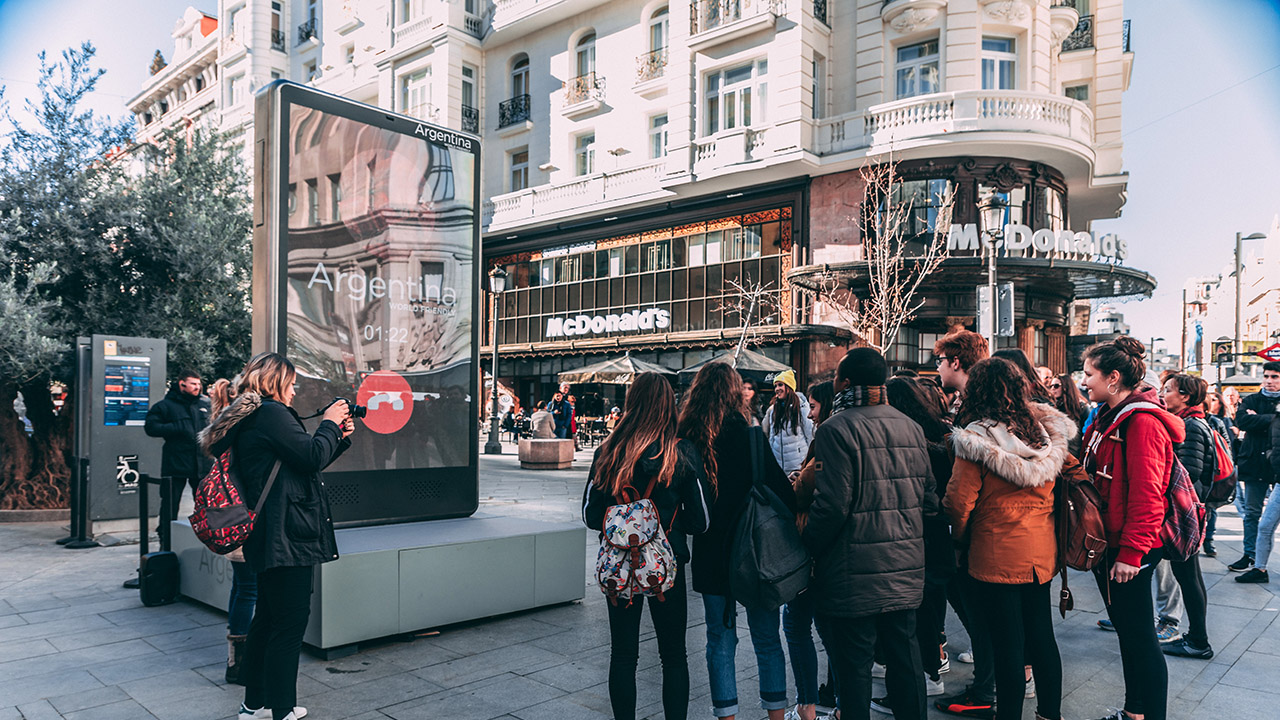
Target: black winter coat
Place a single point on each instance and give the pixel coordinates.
(1197, 452)
(939, 550)
(866, 526)
(178, 418)
(733, 482)
(682, 506)
(296, 527)
(1252, 455)
(1275, 443)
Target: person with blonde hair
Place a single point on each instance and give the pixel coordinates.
(274, 455)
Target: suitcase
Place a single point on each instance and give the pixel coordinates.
(158, 578)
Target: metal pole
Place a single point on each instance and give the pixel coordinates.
(991, 288)
(1182, 347)
(494, 446)
(1235, 342)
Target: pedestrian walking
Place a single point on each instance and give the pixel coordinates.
(294, 531)
(644, 454)
(865, 531)
(787, 424)
(714, 418)
(1216, 414)
(178, 418)
(1129, 454)
(1270, 516)
(1253, 418)
(1010, 451)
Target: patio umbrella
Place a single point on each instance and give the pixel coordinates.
(751, 365)
(615, 371)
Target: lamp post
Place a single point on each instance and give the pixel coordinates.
(497, 283)
(1152, 348)
(991, 213)
(1236, 346)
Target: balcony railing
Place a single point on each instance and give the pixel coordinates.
(578, 194)
(944, 114)
(1082, 37)
(405, 31)
(820, 12)
(515, 110)
(710, 14)
(474, 26)
(277, 40)
(1063, 3)
(306, 31)
(470, 120)
(651, 65)
(1124, 37)
(583, 88)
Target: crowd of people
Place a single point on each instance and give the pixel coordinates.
(914, 494)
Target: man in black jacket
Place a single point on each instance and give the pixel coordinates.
(178, 418)
(1254, 420)
(873, 485)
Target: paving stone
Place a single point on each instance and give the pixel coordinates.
(356, 699)
(561, 708)
(159, 687)
(37, 687)
(189, 638)
(1255, 670)
(88, 699)
(525, 657)
(39, 710)
(10, 712)
(123, 710)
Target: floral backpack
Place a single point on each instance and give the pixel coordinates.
(221, 520)
(635, 556)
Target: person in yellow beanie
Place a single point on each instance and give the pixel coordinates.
(787, 424)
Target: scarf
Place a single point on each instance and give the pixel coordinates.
(857, 396)
(1268, 393)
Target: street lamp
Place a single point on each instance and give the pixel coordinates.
(1236, 345)
(1152, 347)
(991, 213)
(497, 283)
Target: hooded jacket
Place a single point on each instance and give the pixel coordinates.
(790, 447)
(1000, 498)
(1197, 452)
(178, 418)
(683, 508)
(295, 527)
(1129, 453)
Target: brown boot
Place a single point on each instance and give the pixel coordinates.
(235, 658)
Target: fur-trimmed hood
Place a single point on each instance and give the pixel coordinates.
(994, 447)
(214, 437)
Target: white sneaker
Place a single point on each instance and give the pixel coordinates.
(945, 667)
(1031, 687)
(792, 714)
(264, 713)
(934, 688)
(877, 670)
(965, 657)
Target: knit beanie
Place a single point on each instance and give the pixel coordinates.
(787, 377)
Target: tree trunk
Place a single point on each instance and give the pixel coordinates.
(15, 448)
(45, 485)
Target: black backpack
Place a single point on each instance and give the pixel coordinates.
(768, 563)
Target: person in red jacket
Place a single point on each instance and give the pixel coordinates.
(1129, 453)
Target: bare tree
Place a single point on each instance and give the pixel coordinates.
(754, 304)
(895, 257)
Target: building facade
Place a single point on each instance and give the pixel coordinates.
(183, 94)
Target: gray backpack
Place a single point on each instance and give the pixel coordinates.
(768, 563)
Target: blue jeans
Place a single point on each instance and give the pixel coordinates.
(244, 597)
(1210, 524)
(1255, 492)
(797, 624)
(722, 645)
(1266, 529)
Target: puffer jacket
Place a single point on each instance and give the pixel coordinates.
(1129, 454)
(296, 527)
(682, 505)
(1000, 498)
(1252, 455)
(865, 531)
(790, 447)
(1197, 452)
(178, 418)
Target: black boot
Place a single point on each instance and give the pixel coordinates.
(235, 658)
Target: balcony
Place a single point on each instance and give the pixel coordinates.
(588, 192)
(474, 25)
(716, 21)
(307, 32)
(938, 117)
(470, 120)
(514, 111)
(277, 40)
(1082, 37)
(583, 94)
(407, 33)
(729, 148)
(232, 48)
(1124, 38)
(651, 66)
(820, 12)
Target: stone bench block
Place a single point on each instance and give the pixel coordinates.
(552, 454)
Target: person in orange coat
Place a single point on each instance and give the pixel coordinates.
(1009, 453)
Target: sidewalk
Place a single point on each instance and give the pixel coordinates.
(74, 644)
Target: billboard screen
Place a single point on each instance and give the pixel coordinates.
(372, 222)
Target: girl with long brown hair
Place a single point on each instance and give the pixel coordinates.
(644, 453)
(787, 424)
(714, 418)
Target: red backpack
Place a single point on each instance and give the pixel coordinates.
(222, 521)
(1222, 490)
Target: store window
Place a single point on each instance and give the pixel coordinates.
(999, 64)
(917, 69)
(519, 170)
(1014, 202)
(1050, 209)
(658, 136)
(737, 97)
(584, 154)
(920, 201)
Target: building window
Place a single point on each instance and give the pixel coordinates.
(520, 76)
(1014, 202)
(819, 94)
(313, 203)
(236, 90)
(311, 11)
(1050, 209)
(584, 153)
(349, 54)
(658, 29)
(737, 97)
(411, 9)
(468, 86)
(309, 71)
(917, 69)
(293, 199)
(919, 201)
(658, 136)
(999, 64)
(586, 54)
(416, 94)
(335, 198)
(1077, 92)
(199, 83)
(519, 170)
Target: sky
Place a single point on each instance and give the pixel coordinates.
(1201, 137)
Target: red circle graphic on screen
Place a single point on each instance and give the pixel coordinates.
(389, 399)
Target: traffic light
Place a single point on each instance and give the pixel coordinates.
(1222, 353)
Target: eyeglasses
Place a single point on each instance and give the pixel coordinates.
(1055, 386)
(937, 361)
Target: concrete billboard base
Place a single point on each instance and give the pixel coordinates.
(396, 579)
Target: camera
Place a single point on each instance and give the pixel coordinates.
(357, 411)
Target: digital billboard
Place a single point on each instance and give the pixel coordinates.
(365, 276)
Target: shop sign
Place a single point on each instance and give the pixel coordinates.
(650, 319)
(1059, 243)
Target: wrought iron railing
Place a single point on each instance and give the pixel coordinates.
(306, 31)
(1124, 37)
(583, 88)
(277, 40)
(820, 12)
(711, 14)
(470, 119)
(651, 65)
(513, 111)
(1082, 37)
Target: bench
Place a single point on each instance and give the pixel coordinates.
(553, 454)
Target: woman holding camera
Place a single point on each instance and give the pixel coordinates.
(294, 531)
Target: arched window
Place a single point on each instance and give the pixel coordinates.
(520, 76)
(586, 54)
(659, 29)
